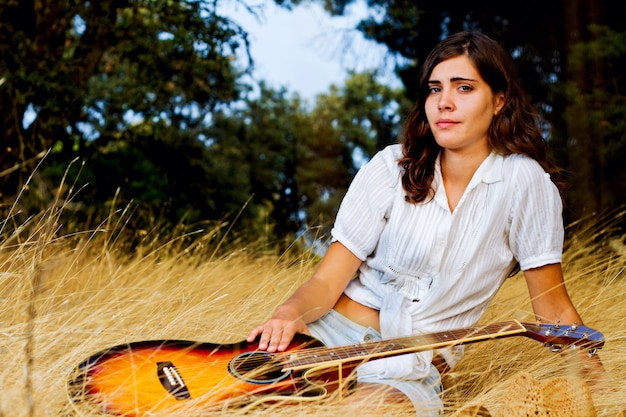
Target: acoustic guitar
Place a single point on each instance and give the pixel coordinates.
(160, 377)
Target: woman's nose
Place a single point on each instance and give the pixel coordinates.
(445, 101)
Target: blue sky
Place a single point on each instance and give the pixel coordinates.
(305, 49)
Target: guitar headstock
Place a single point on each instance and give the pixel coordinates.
(558, 336)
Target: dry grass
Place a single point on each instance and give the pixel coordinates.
(65, 298)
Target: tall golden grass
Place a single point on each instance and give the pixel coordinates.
(65, 297)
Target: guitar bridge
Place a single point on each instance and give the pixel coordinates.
(172, 381)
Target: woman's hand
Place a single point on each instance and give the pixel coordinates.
(590, 369)
(278, 331)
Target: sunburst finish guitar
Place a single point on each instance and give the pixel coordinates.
(160, 377)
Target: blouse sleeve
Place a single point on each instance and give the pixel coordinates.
(365, 208)
(536, 236)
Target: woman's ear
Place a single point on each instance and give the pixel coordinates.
(499, 101)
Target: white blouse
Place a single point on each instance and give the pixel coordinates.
(438, 269)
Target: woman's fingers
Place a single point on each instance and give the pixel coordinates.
(275, 334)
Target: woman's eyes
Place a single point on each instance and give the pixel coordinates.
(463, 88)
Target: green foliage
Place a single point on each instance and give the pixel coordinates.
(299, 162)
(143, 110)
(167, 176)
(349, 125)
(84, 70)
(269, 166)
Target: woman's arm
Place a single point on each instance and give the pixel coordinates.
(311, 301)
(552, 304)
(548, 295)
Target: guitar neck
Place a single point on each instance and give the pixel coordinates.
(328, 356)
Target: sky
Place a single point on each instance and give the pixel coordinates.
(305, 49)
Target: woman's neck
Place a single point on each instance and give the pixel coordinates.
(457, 171)
(460, 167)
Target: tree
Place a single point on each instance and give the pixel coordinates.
(146, 95)
(591, 124)
(299, 162)
(348, 125)
(73, 74)
(262, 139)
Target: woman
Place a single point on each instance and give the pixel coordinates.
(429, 229)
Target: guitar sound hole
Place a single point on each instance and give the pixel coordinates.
(257, 368)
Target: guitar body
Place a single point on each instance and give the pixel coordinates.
(162, 376)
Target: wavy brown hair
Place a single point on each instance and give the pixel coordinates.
(514, 130)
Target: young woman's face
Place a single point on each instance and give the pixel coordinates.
(460, 106)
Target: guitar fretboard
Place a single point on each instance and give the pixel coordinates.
(392, 347)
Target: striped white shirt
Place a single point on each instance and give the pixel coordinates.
(446, 266)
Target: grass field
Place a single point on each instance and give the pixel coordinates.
(64, 298)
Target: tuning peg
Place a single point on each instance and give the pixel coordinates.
(556, 348)
(574, 326)
(592, 352)
(557, 325)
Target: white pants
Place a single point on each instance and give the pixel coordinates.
(334, 329)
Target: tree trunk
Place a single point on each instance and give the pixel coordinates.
(584, 140)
